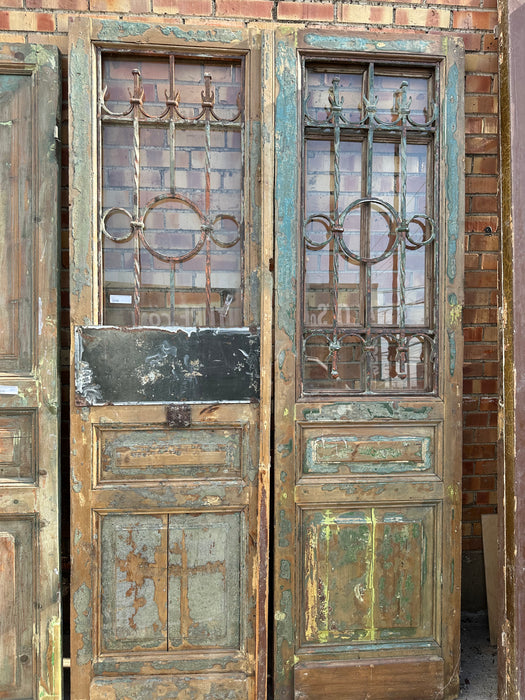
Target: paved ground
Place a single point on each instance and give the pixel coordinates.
(479, 660)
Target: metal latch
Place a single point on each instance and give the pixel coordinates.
(178, 416)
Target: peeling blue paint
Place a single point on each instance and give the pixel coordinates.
(113, 30)
(452, 174)
(361, 411)
(363, 44)
(286, 186)
(452, 344)
(212, 35)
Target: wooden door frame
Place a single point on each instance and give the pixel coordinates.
(87, 34)
(511, 463)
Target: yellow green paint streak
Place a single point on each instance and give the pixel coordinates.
(372, 632)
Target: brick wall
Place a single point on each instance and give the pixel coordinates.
(46, 21)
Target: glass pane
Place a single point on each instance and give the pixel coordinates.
(329, 373)
(348, 85)
(396, 371)
(172, 174)
(16, 252)
(387, 90)
(331, 277)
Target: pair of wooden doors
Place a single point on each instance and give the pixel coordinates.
(265, 299)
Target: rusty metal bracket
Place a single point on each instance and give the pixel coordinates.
(178, 416)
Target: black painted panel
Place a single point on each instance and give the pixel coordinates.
(151, 365)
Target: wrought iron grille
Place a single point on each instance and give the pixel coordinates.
(171, 191)
(370, 229)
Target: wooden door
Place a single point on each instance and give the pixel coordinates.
(167, 447)
(367, 460)
(30, 649)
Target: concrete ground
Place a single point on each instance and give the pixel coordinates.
(479, 660)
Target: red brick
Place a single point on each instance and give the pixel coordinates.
(488, 404)
(121, 6)
(367, 14)
(45, 22)
(183, 7)
(484, 203)
(481, 104)
(472, 19)
(57, 4)
(485, 165)
(479, 315)
(472, 42)
(481, 144)
(481, 63)
(476, 419)
(478, 83)
(481, 185)
(256, 9)
(478, 351)
(490, 43)
(489, 262)
(488, 242)
(472, 261)
(11, 3)
(477, 278)
(305, 11)
(473, 335)
(423, 17)
(474, 125)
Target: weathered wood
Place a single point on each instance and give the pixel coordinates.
(30, 644)
(366, 488)
(166, 513)
(397, 679)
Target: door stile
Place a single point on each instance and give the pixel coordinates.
(265, 416)
(30, 609)
(184, 472)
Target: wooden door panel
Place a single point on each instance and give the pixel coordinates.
(17, 570)
(165, 429)
(367, 369)
(133, 571)
(30, 639)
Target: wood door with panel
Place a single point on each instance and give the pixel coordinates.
(166, 305)
(30, 648)
(367, 366)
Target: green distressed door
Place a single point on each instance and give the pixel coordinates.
(367, 459)
(167, 438)
(30, 649)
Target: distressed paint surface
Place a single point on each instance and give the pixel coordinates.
(377, 455)
(133, 582)
(136, 365)
(30, 644)
(366, 576)
(204, 580)
(141, 454)
(172, 557)
(451, 109)
(17, 434)
(366, 538)
(365, 44)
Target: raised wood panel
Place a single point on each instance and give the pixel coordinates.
(17, 604)
(181, 687)
(17, 446)
(8, 626)
(377, 679)
(370, 451)
(17, 161)
(367, 575)
(204, 580)
(133, 551)
(129, 454)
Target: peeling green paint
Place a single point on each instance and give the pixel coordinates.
(285, 449)
(364, 44)
(81, 180)
(450, 110)
(286, 187)
(363, 411)
(82, 620)
(285, 529)
(452, 348)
